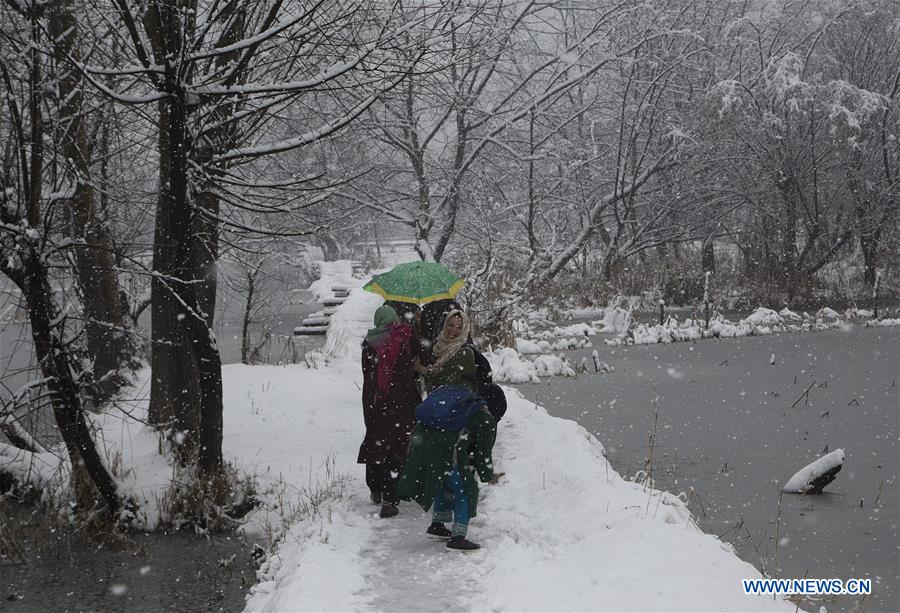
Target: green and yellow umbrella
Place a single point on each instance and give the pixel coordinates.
(416, 282)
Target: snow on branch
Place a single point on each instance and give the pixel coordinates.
(308, 137)
(290, 86)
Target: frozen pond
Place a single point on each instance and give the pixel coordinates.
(728, 436)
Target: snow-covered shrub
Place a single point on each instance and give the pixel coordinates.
(828, 314)
(526, 346)
(788, 315)
(508, 366)
(552, 366)
(763, 317)
(207, 506)
(615, 320)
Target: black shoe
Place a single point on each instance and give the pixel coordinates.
(375, 497)
(460, 542)
(388, 510)
(439, 530)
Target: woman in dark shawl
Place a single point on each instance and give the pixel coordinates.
(389, 355)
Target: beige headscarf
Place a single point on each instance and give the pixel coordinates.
(444, 348)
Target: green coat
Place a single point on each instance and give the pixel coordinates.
(459, 370)
(433, 453)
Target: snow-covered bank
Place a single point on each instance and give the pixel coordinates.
(628, 330)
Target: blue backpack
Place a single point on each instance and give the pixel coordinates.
(448, 407)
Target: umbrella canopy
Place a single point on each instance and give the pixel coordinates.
(416, 282)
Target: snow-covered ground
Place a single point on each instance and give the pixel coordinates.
(562, 531)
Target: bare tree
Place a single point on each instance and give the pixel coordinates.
(30, 247)
(220, 76)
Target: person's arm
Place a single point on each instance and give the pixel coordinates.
(467, 362)
(485, 431)
(422, 350)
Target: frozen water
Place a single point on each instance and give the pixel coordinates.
(727, 432)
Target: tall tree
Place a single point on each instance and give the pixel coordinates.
(31, 247)
(220, 75)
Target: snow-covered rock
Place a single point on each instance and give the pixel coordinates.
(812, 478)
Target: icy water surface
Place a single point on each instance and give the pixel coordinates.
(59, 571)
(732, 427)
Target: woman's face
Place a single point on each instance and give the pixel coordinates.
(453, 328)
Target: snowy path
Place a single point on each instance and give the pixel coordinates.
(406, 567)
(561, 532)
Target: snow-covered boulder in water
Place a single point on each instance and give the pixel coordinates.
(812, 479)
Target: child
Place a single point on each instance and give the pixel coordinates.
(438, 472)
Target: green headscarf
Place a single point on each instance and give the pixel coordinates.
(384, 316)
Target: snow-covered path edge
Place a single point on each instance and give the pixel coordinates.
(563, 531)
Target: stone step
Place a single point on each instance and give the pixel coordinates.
(329, 311)
(309, 331)
(314, 321)
(332, 302)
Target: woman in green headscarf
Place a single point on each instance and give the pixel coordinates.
(389, 396)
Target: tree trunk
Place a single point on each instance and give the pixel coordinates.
(174, 393)
(708, 255)
(57, 365)
(29, 273)
(107, 341)
(245, 326)
(529, 225)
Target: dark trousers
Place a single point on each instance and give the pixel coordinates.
(382, 479)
